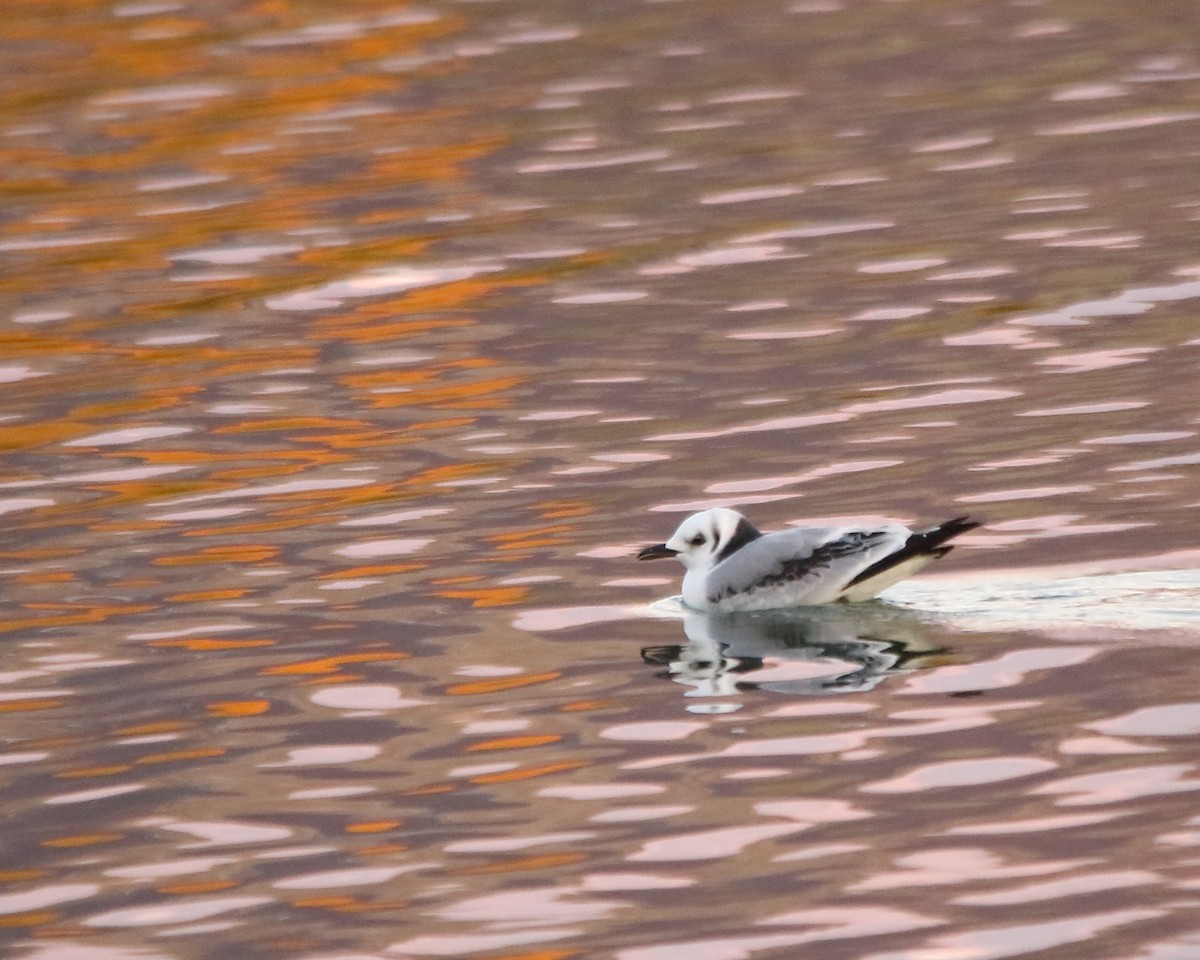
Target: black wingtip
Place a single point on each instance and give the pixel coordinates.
(934, 537)
(931, 542)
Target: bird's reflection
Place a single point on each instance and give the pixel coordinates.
(809, 651)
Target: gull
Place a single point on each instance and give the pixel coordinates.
(732, 566)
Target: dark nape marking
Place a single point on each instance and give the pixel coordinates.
(924, 544)
(745, 533)
(798, 568)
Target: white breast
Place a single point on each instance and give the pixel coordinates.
(695, 590)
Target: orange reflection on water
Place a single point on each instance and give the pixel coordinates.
(487, 596)
(500, 684)
(89, 614)
(230, 553)
(202, 644)
(513, 743)
(238, 708)
(330, 665)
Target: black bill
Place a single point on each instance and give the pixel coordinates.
(656, 551)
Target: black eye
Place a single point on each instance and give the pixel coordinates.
(697, 540)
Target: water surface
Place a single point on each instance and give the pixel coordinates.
(348, 354)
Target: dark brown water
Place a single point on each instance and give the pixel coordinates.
(348, 351)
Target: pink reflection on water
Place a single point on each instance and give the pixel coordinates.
(351, 877)
(633, 881)
(1097, 359)
(772, 483)
(362, 696)
(1006, 670)
(1116, 123)
(1029, 493)
(901, 265)
(985, 162)
(711, 844)
(463, 944)
(818, 851)
(814, 230)
(1149, 437)
(997, 942)
(1089, 91)
(955, 866)
(1159, 463)
(537, 907)
(1015, 337)
(1100, 406)
(509, 844)
(1035, 824)
(814, 926)
(965, 141)
(788, 334)
(812, 810)
(751, 194)
(1103, 746)
(939, 398)
(327, 755)
(595, 161)
(661, 730)
(39, 898)
(891, 313)
(602, 297)
(224, 833)
(1167, 720)
(549, 619)
(601, 791)
(1119, 786)
(173, 912)
(961, 773)
(639, 814)
(777, 423)
(1051, 522)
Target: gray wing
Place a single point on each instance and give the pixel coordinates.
(821, 557)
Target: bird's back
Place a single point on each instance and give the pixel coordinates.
(808, 565)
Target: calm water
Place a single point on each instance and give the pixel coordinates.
(349, 351)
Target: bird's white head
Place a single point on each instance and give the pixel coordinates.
(705, 539)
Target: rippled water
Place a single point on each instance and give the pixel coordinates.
(349, 351)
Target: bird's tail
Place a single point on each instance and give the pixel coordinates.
(932, 540)
(925, 545)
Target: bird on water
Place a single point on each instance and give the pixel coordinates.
(731, 565)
